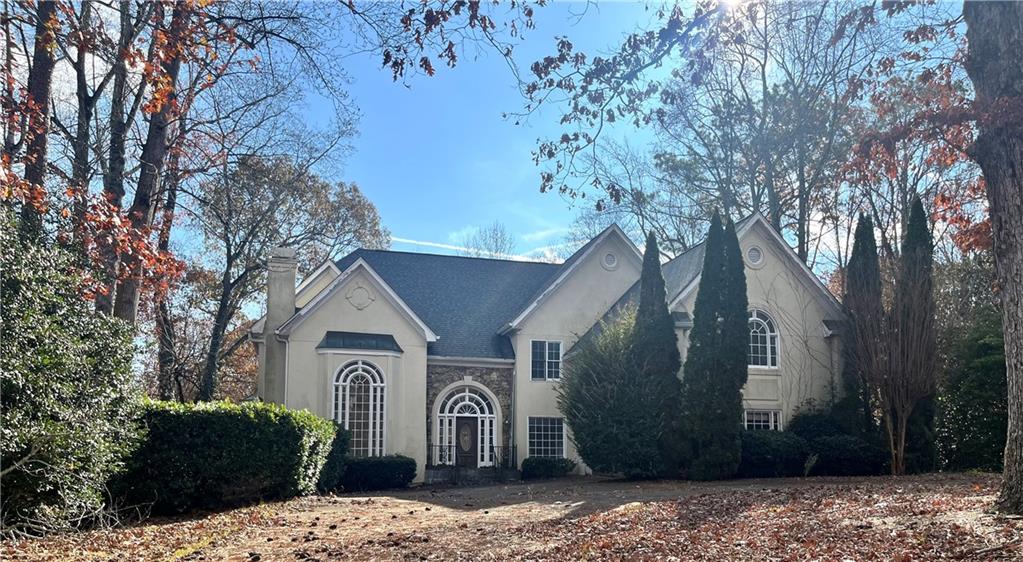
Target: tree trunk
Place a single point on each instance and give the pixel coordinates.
(113, 181)
(167, 365)
(802, 244)
(154, 152)
(995, 36)
(208, 384)
(80, 170)
(40, 78)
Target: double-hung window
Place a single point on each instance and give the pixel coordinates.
(545, 360)
(762, 419)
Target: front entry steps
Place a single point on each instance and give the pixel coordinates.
(461, 476)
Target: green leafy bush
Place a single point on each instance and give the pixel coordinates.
(337, 462)
(767, 454)
(610, 406)
(811, 423)
(845, 455)
(67, 396)
(216, 454)
(377, 473)
(546, 467)
(973, 409)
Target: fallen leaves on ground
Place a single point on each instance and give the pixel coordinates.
(931, 517)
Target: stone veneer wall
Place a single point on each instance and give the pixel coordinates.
(497, 379)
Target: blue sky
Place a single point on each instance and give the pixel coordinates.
(438, 159)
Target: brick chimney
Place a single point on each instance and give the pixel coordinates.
(280, 306)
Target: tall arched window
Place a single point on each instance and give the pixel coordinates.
(763, 340)
(359, 406)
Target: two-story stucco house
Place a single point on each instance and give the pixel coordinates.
(454, 361)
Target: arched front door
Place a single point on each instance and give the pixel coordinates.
(466, 427)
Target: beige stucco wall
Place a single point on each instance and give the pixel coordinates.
(311, 372)
(809, 363)
(567, 313)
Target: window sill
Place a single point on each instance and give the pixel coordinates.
(764, 370)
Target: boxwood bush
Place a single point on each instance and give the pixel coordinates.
(545, 467)
(767, 454)
(845, 455)
(217, 454)
(377, 473)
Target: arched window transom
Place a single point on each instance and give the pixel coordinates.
(359, 406)
(466, 401)
(763, 340)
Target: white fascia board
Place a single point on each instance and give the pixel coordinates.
(320, 298)
(636, 254)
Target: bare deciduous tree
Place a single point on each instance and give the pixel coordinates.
(491, 241)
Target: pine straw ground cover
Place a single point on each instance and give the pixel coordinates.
(933, 517)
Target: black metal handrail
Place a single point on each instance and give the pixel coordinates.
(448, 455)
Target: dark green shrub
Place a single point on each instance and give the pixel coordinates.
(67, 395)
(811, 423)
(609, 405)
(716, 364)
(337, 459)
(767, 454)
(546, 467)
(377, 473)
(973, 407)
(657, 358)
(216, 454)
(845, 455)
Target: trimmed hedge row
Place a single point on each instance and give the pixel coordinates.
(216, 454)
(768, 454)
(377, 473)
(545, 467)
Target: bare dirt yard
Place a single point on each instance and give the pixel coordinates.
(932, 517)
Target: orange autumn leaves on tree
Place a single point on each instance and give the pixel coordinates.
(920, 128)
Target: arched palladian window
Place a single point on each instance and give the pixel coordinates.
(359, 406)
(466, 402)
(763, 340)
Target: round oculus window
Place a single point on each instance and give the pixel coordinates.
(610, 261)
(754, 255)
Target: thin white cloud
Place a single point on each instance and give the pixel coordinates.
(457, 248)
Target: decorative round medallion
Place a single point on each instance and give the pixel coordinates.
(359, 297)
(465, 438)
(754, 256)
(610, 261)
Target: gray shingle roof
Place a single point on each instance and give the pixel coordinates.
(465, 301)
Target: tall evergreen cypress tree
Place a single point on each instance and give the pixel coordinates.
(864, 338)
(716, 365)
(913, 358)
(655, 347)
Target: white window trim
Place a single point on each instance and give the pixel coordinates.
(487, 441)
(776, 418)
(564, 440)
(374, 450)
(561, 357)
(777, 338)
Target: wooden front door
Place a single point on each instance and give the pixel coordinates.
(466, 435)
